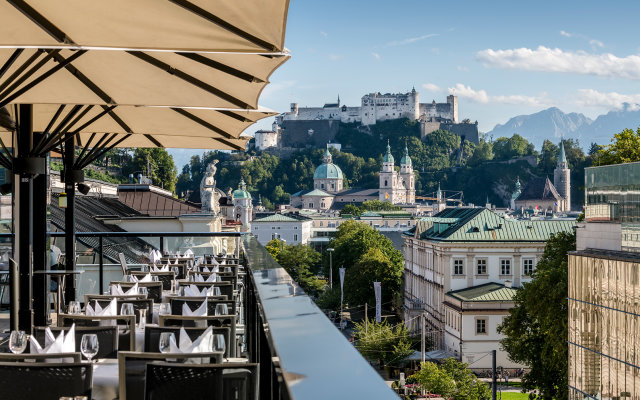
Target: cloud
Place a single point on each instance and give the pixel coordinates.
(566, 34)
(556, 60)
(376, 55)
(334, 57)
(411, 40)
(611, 100)
(431, 87)
(596, 43)
(481, 96)
(324, 34)
(593, 42)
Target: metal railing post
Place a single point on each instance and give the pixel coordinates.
(162, 245)
(101, 265)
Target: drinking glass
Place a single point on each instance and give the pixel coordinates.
(222, 309)
(215, 291)
(74, 307)
(176, 271)
(17, 342)
(218, 343)
(126, 309)
(89, 345)
(143, 290)
(164, 309)
(143, 318)
(155, 278)
(165, 340)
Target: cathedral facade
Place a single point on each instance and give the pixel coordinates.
(397, 187)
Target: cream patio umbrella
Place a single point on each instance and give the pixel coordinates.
(116, 59)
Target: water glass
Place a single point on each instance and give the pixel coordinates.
(74, 307)
(215, 291)
(89, 345)
(222, 309)
(18, 342)
(143, 318)
(155, 278)
(218, 343)
(126, 309)
(176, 271)
(164, 309)
(174, 286)
(165, 340)
(143, 290)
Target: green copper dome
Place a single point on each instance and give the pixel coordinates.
(241, 192)
(328, 171)
(388, 158)
(406, 160)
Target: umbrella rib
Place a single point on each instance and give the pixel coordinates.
(41, 21)
(118, 120)
(28, 74)
(80, 163)
(57, 132)
(106, 148)
(20, 70)
(153, 140)
(86, 81)
(224, 24)
(107, 110)
(54, 118)
(42, 77)
(9, 157)
(199, 58)
(228, 143)
(189, 78)
(14, 56)
(85, 147)
(202, 122)
(234, 115)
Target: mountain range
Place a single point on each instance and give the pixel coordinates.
(553, 124)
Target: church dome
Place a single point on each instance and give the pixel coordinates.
(328, 171)
(388, 158)
(241, 192)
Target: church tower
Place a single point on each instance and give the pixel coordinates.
(407, 178)
(243, 206)
(388, 178)
(562, 180)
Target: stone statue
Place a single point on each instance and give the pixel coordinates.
(208, 195)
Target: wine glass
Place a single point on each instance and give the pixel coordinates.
(155, 278)
(164, 309)
(89, 345)
(74, 307)
(222, 309)
(176, 272)
(126, 309)
(17, 342)
(165, 341)
(143, 290)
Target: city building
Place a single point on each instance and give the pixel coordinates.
(464, 248)
(397, 187)
(543, 196)
(242, 205)
(604, 287)
(328, 176)
(266, 139)
(291, 228)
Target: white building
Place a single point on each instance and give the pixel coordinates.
(266, 139)
(376, 107)
(397, 187)
(242, 205)
(472, 317)
(462, 248)
(293, 229)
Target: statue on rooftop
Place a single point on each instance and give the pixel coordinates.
(209, 197)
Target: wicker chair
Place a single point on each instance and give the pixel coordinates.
(152, 336)
(132, 366)
(107, 338)
(45, 381)
(211, 381)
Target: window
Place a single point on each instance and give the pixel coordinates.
(458, 266)
(481, 326)
(322, 185)
(505, 267)
(295, 238)
(310, 205)
(527, 266)
(481, 266)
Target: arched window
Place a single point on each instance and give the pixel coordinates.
(385, 183)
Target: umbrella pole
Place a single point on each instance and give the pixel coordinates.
(69, 217)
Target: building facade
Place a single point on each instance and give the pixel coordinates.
(604, 288)
(293, 229)
(328, 177)
(461, 248)
(397, 187)
(266, 139)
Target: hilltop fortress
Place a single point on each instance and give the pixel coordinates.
(315, 126)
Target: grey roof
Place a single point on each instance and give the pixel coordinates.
(359, 192)
(282, 218)
(488, 292)
(539, 189)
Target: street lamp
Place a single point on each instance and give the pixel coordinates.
(330, 250)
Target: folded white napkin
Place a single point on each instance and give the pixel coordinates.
(188, 253)
(61, 344)
(146, 278)
(193, 291)
(160, 269)
(200, 278)
(176, 261)
(111, 309)
(214, 261)
(177, 253)
(116, 290)
(203, 344)
(198, 312)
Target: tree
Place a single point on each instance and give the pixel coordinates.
(536, 328)
(548, 156)
(625, 148)
(383, 342)
(300, 261)
(353, 249)
(156, 164)
(483, 152)
(350, 209)
(452, 379)
(513, 147)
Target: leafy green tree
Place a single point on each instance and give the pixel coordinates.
(351, 209)
(625, 148)
(483, 152)
(548, 156)
(536, 328)
(513, 147)
(301, 262)
(155, 163)
(383, 342)
(452, 379)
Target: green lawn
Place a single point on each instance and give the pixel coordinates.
(514, 396)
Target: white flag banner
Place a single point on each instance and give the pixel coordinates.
(377, 289)
(342, 271)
